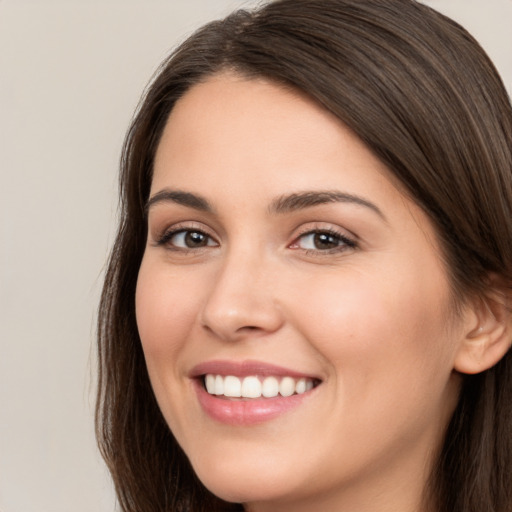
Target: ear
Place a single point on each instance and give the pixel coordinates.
(488, 333)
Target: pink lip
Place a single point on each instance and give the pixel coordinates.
(244, 369)
(245, 412)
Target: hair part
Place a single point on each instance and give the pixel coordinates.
(425, 98)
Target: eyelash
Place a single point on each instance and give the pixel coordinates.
(343, 242)
(165, 239)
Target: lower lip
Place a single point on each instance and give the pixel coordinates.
(246, 412)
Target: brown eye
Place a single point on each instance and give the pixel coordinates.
(323, 241)
(195, 239)
(189, 239)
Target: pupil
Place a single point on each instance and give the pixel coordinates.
(325, 241)
(195, 239)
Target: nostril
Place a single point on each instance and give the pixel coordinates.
(233, 319)
(253, 330)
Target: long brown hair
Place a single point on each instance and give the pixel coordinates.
(424, 97)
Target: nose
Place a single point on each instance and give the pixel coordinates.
(242, 302)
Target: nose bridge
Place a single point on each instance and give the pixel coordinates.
(242, 300)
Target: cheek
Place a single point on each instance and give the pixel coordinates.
(165, 311)
(373, 329)
(390, 358)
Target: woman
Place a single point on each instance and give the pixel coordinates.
(307, 304)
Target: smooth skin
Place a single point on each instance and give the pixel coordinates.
(353, 291)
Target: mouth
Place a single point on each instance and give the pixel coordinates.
(248, 393)
(256, 386)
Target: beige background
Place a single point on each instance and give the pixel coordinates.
(71, 72)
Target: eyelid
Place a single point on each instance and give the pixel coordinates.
(181, 236)
(327, 227)
(349, 240)
(165, 235)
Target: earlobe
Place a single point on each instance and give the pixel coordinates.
(489, 335)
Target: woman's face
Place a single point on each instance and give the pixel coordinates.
(282, 259)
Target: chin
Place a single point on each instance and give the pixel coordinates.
(245, 485)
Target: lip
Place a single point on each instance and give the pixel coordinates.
(246, 412)
(245, 369)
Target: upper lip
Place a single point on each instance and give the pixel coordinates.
(245, 368)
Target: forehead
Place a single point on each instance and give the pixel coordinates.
(256, 128)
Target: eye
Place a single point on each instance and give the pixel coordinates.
(187, 239)
(323, 240)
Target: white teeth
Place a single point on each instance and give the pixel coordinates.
(300, 387)
(219, 385)
(270, 387)
(254, 387)
(251, 387)
(287, 386)
(210, 384)
(232, 386)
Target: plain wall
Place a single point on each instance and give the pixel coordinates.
(71, 73)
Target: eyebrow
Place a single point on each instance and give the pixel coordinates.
(308, 199)
(282, 204)
(180, 197)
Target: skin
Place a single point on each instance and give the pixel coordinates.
(372, 319)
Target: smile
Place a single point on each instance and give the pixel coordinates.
(250, 392)
(255, 387)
